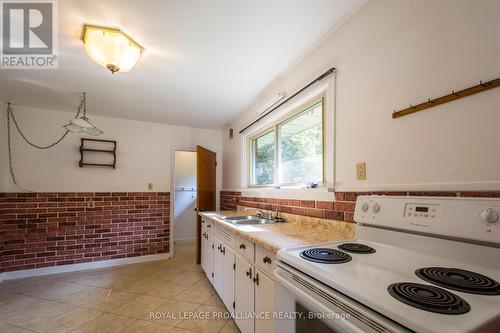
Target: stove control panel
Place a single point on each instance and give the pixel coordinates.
(422, 212)
(475, 219)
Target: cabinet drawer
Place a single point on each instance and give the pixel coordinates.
(245, 248)
(265, 260)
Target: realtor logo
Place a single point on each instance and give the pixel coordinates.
(29, 34)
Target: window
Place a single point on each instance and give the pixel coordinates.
(291, 151)
(263, 159)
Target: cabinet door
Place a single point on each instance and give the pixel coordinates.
(210, 257)
(228, 278)
(244, 294)
(218, 266)
(264, 302)
(204, 251)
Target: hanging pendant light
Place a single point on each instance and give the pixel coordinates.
(82, 124)
(111, 48)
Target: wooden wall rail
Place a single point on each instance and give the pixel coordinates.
(448, 98)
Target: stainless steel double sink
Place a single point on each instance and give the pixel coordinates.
(248, 220)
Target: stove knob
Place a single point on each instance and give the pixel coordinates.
(376, 208)
(489, 216)
(364, 207)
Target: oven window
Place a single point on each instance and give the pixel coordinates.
(307, 323)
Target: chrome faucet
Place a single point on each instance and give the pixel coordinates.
(260, 213)
(267, 215)
(263, 214)
(277, 216)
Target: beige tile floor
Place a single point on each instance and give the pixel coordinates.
(116, 299)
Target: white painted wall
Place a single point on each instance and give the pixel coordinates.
(144, 153)
(184, 195)
(391, 54)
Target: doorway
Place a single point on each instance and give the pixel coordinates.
(193, 190)
(184, 216)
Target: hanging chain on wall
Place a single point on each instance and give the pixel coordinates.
(11, 117)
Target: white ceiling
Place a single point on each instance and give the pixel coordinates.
(204, 61)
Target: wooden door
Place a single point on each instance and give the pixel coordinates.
(205, 186)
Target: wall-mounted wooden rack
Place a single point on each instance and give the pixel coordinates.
(448, 98)
(84, 148)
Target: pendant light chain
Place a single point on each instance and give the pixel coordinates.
(10, 117)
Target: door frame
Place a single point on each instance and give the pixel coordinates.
(172, 197)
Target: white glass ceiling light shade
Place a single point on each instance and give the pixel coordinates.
(82, 124)
(111, 48)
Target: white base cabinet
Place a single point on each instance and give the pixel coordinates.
(244, 294)
(264, 303)
(224, 266)
(207, 249)
(218, 266)
(254, 294)
(228, 278)
(241, 273)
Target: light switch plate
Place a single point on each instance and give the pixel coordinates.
(150, 186)
(361, 171)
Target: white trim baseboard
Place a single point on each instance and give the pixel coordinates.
(76, 267)
(184, 240)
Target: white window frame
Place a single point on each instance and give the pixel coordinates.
(276, 128)
(251, 159)
(325, 88)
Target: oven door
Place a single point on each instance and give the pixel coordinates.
(306, 305)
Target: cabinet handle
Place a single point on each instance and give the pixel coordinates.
(249, 273)
(256, 279)
(218, 247)
(209, 226)
(243, 246)
(223, 250)
(266, 260)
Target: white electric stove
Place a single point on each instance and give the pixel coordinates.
(421, 264)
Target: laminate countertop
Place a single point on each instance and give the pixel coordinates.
(296, 231)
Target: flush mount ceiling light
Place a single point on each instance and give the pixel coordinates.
(82, 124)
(111, 48)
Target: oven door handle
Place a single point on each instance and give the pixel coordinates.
(320, 301)
(341, 325)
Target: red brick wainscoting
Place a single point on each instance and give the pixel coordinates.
(340, 208)
(52, 229)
